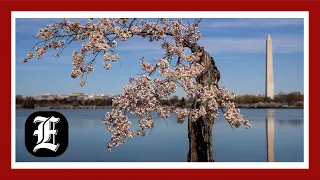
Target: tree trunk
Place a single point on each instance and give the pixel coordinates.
(200, 131)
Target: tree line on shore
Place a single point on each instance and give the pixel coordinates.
(281, 100)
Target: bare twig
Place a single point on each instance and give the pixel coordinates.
(154, 122)
(165, 122)
(228, 121)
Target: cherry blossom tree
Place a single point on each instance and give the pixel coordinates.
(194, 71)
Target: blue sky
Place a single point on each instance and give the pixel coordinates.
(237, 45)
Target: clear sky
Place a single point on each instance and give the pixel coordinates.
(237, 45)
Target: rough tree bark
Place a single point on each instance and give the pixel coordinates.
(200, 131)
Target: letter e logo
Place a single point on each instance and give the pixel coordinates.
(46, 134)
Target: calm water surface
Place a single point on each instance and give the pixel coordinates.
(87, 138)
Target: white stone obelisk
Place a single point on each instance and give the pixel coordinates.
(269, 69)
(270, 135)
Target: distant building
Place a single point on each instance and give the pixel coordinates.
(88, 97)
(63, 96)
(76, 96)
(101, 96)
(91, 97)
(46, 96)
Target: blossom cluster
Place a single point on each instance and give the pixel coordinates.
(46, 33)
(56, 44)
(119, 125)
(147, 67)
(40, 51)
(181, 113)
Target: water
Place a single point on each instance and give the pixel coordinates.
(87, 138)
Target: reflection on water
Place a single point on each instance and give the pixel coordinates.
(168, 142)
(296, 123)
(270, 135)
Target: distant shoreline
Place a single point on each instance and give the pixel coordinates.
(69, 107)
(292, 100)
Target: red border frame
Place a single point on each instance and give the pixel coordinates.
(144, 5)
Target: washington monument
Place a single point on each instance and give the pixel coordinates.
(269, 69)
